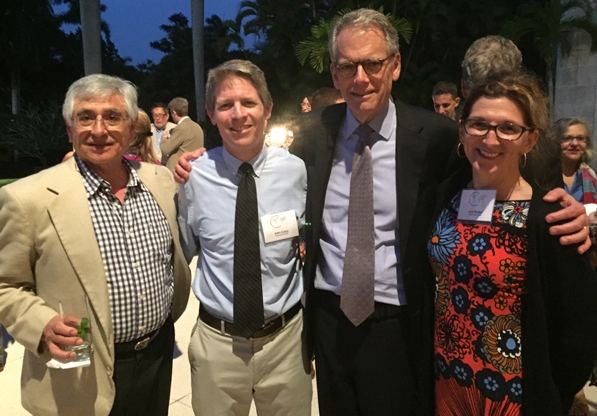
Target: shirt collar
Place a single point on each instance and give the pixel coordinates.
(181, 119)
(159, 130)
(94, 183)
(257, 162)
(384, 123)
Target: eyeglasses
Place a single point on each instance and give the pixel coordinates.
(159, 115)
(504, 131)
(370, 66)
(580, 139)
(111, 121)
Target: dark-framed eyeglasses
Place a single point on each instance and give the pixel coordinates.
(580, 139)
(111, 121)
(159, 115)
(370, 66)
(503, 131)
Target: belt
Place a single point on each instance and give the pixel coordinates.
(267, 329)
(137, 344)
(330, 301)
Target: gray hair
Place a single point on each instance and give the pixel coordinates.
(365, 18)
(560, 128)
(486, 57)
(103, 86)
(239, 68)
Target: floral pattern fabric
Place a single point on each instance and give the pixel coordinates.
(480, 272)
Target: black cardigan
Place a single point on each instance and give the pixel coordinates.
(559, 312)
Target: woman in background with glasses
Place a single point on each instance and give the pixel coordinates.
(574, 137)
(512, 305)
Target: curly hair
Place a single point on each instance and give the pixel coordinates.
(524, 90)
(489, 56)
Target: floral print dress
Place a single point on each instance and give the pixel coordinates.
(480, 272)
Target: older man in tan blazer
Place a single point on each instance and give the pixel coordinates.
(185, 137)
(102, 228)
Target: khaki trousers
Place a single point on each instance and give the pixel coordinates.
(228, 372)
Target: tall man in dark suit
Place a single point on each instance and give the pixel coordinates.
(381, 366)
(185, 137)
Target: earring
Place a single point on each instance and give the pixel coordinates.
(458, 149)
(524, 161)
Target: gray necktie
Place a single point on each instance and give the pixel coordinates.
(359, 261)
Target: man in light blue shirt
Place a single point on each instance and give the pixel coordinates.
(228, 369)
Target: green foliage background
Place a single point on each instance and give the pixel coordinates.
(48, 60)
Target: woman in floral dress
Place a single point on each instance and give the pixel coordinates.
(512, 305)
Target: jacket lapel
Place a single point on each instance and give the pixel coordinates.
(410, 160)
(69, 213)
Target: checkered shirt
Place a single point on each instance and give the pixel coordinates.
(135, 243)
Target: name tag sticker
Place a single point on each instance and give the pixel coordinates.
(280, 226)
(477, 205)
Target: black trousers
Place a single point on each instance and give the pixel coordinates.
(143, 378)
(364, 370)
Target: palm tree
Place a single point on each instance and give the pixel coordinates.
(197, 12)
(550, 26)
(92, 37)
(26, 33)
(315, 48)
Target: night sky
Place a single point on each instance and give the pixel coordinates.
(133, 24)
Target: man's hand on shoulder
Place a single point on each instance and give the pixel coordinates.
(575, 229)
(183, 167)
(61, 331)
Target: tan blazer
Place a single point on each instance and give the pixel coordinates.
(48, 253)
(154, 139)
(185, 137)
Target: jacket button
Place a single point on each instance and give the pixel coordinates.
(109, 371)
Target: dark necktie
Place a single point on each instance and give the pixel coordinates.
(358, 277)
(248, 295)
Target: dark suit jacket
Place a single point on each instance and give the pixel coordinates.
(425, 143)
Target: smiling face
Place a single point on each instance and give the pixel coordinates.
(365, 94)
(240, 116)
(494, 160)
(573, 150)
(98, 147)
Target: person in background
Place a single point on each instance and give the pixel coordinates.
(574, 137)
(445, 99)
(161, 123)
(141, 148)
(326, 96)
(305, 105)
(486, 57)
(185, 137)
(513, 306)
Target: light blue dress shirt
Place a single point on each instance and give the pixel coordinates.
(207, 204)
(389, 287)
